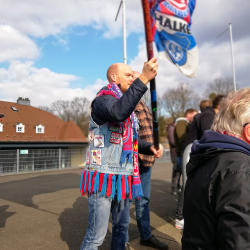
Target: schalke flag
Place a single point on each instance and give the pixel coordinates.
(171, 28)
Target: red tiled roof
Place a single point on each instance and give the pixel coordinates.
(55, 129)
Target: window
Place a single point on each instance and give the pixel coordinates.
(39, 129)
(14, 109)
(20, 128)
(1, 127)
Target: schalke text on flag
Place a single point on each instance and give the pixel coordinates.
(171, 29)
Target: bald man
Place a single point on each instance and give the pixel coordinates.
(111, 175)
(145, 168)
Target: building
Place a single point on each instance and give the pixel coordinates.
(32, 139)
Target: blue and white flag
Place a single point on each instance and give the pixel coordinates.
(171, 29)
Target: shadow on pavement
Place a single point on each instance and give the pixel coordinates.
(22, 191)
(74, 222)
(4, 215)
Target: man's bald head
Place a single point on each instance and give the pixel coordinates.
(112, 70)
(120, 73)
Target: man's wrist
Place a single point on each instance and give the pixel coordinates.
(143, 79)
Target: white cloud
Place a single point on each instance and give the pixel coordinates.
(42, 86)
(14, 45)
(211, 18)
(41, 18)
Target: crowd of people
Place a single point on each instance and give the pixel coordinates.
(181, 135)
(209, 148)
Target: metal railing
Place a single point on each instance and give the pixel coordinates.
(29, 160)
(165, 157)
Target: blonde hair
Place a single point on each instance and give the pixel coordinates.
(234, 113)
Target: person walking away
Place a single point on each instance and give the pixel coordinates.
(180, 133)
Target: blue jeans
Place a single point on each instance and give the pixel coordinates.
(141, 205)
(179, 165)
(99, 209)
(175, 176)
(179, 210)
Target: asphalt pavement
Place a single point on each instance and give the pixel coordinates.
(46, 211)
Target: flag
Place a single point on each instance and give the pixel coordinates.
(171, 29)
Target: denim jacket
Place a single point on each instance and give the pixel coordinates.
(105, 109)
(105, 149)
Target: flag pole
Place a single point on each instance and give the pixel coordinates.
(124, 31)
(232, 51)
(150, 53)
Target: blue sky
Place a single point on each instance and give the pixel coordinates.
(85, 48)
(52, 49)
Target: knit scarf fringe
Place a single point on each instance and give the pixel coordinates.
(108, 184)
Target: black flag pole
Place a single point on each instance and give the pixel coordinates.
(150, 52)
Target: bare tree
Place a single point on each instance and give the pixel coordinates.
(220, 86)
(79, 107)
(80, 113)
(76, 110)
(46, 108)
(62, 109)
(177, 100)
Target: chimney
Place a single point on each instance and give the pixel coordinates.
(23, 101)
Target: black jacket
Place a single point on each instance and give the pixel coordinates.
(217, 194)
(107, 108)
(193, 133)
(205, 121)
(202, 122)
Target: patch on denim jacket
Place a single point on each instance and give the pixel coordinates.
(115, 138)
(91, 136)
(96, 157)
(88, 158)
(115, 127)
(99, 141)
